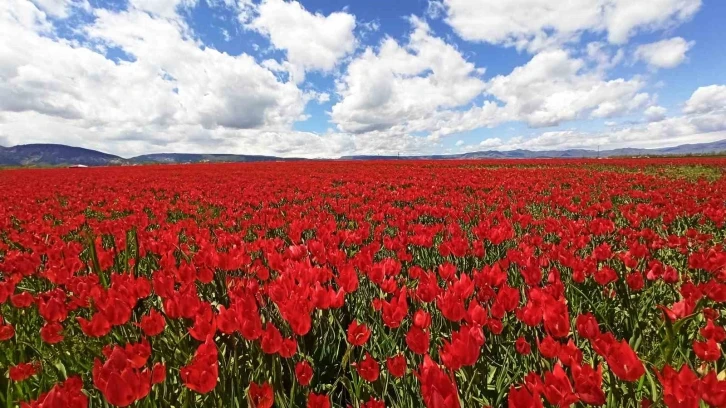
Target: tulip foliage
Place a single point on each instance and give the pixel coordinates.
(440, 284)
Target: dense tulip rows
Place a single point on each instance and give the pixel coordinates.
(374, 284)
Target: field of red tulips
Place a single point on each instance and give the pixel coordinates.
(542, 283)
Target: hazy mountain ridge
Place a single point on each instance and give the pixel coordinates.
(696, 148)
(55, 155)
(59, 155)
(203, 158)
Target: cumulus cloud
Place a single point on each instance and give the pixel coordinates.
(655, 113)
(670, 131)
(61, 8)
(490, 143)
(313, 42)
(554, 87)
(171, 92)
(536, 24)
(664, 54)
(130, 140)
(203, 86)
(409, 88)
(679, 132)
(707, 99)
(450, 122)
(163, 8)
(603, 59)
(399, 85)
(171, 87)
(21, 15)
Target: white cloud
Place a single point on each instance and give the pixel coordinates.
(536, 24)
(707, 99)
(174, 93)
(401, 85)
(23, 15)
(313, 42)
(664, 54)
(61, 8)
(490, 143)
(673, 131)
(131, 140)
(625, 17)
(204, 85)
(602, 58)
(399, 89)
(704, 120)
(655, 113)
(177, 94)
(162, 8)
(459, 143)
(450, 122)
(323, 97)
(435, 9)
(553, 87)
(371, 26)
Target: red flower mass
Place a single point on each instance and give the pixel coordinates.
(552, 282)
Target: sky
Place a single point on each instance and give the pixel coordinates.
(329, 78)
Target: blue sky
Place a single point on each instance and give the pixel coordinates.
(331, 78)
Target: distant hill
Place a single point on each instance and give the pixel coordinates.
(39, 155)
(202, 158)
(686, 149)
(62, 155)
(55, 155)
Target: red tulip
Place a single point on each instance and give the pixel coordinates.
(549, 347)
(7, 331)
(623, 362)
(158, 373)
(417, 340)
(303, 373)
(587, 326)
(373, 403)
(64, 395)
(421, 319)
(121, 379)
(557, 388)
(396, 365)
(202, 373)
(368, 368)
(271, 339)
(523, 398)
(438, 389)
(708, 350)
(98, 326)
(23, 371)
(153, 324)
(680, 388)
(318, 401)
(588, 384)
(358, 334)
(522, 346)
(261, 396)
(51, 333)
(22, 300)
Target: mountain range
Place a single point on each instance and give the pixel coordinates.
(61, 155)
